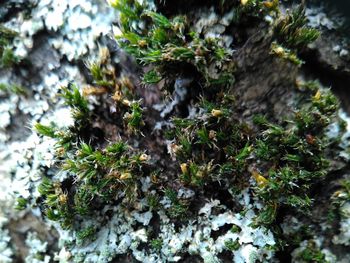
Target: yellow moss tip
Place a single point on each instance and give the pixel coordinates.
(260, 180)
(126, 102)
(63, 198)
(60, 151)
(279, 51)
(271, 4)
(216, 113)
(113, 3)
(117, 96)
(183, 167)
(125, 176)
(142, 43)
(154, 179)
(174, 148)
(317, 95)
(126, 82)
(90, 90)
(144, 157)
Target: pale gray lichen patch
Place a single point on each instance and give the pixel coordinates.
(343, 237)
(318, 17)
(6, 251)
(78, 24)
(212, 25)
(123, 233)
(37, 249)
(179, 95)
(127, 231)
(24, 156)
(334, 130)
(328, 21)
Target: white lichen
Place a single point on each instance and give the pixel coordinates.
(37, 249)
(6, 251)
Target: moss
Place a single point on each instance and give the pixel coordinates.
(312, 254)
(86, 234)
(278, 159)
(157, 243)
(340, 197)
(21, 203)
(167, 42)
(100, 175)
(134, 117)
(151, 77)
(7, 57)
(79, 105)
(179, 207)
(44, 130)
(235, 229)
(286, 54)
(292, 30)
(153, 201)
(232, 245)
(297, 152)
(12, 88)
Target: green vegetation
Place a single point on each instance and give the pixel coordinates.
(134, 117)
(153, 201)
(157, 243)
(179, 207)
(277, 158)
(291, 155)
(293, 34)
(338, 200)
(215, 132)
(7, 57)
(21, 203)
(48, 131)
(86, 234)
(312, 254)
(166, 43)
(12, 88)
(232, 245)
(285, 54)
(100, 176)
(292, 30)
(297, 154)
(212, 146)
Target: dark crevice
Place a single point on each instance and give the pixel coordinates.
(221, 231)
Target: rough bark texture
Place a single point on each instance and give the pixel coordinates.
(263, 84)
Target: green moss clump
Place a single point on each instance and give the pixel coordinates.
(179, 207)
(292, 30)
(297, 153)
(12, 88)
(21, 203)
(292, 34)
(100, 176)
(312, 254)
(157, 243)
(86, 234)
(232, 245)
(7, 57)
(277, 159)
(165, 43)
